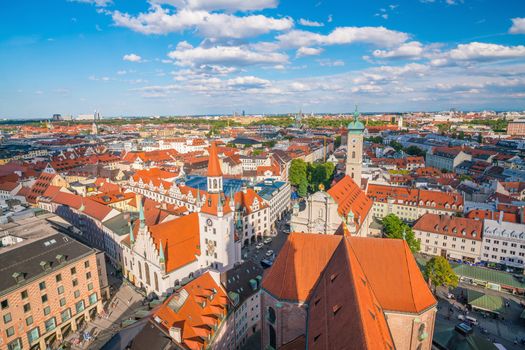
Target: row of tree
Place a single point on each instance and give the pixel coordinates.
(307, 177)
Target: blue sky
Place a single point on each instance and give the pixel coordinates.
(175, 57)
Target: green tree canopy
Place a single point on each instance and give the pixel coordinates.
(394, 227)
(297, 172)
(396, 145)
(415, 151)
(439, 272)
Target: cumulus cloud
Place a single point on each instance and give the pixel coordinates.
(227, 5)
(159, 20)
(380, 36)
(308, 51)
(187, 55)
(476, 51)
(518, 26)
(412, 49)
(132, 58)
(308, 23)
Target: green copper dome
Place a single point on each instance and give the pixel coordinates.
(355, 126)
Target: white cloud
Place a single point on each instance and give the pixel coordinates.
(344, 35)
(412, 49)
(476, 51)
(308, 51)
(159, 20)
(308, 23)
(518, 26)
(132, 58)
(122, 72)
(227, 5)
(326, 62)
(187, 55)
(99, 3)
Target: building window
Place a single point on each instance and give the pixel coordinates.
(7, 318)
(92, 298)
(42, 285)
(15, 345)
(10, 332)
(62, 301)
(77, 294)
(33, 335)
(24, 294)
(79, 306)
(27, 307)
(65, 315)
(90, 286)
(4, 304)
(50, 324)
(86, 264)
(58, 277)
(88, 275)
(29, 321)
(75, 282)
(44, 298)
(271, 314)
(73, 270)
(273, 337)
(60, 290)
(47, 310)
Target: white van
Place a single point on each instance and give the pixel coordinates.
(472, 320)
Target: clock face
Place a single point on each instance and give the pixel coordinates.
(208, 222)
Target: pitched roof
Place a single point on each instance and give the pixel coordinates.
(450, 226)
(214, 166)
(195, 309)
(299, 264)
(180, 239)
(349, 196)
(395, 279)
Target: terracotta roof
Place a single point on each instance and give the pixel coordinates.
(415, 197)
(344, 296)
(396, 279)
(8, 186)
(450, 226)
(180, 239)
(246, 201)
(349, 196)
(195, 309)
(214, 166)
(299, 265)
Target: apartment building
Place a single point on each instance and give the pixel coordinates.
(277, 195)
(411, 203)
(49, 287)
(450, 237)
(503, 242)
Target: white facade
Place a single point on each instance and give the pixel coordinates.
(503, 242)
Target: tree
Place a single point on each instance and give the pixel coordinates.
(439, 273)
(297, 172)
(415, 151)
(394, 227)
(396, 145)
(302, 188)
(337, 141)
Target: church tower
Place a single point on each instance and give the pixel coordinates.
(214, 171)
(354, 153)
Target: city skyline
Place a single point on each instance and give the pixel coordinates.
(177, 57)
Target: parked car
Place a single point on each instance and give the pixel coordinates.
(259, 246)
(265, 263)
(269, 253)
(267, 240)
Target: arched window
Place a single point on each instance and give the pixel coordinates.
(140, 270)
(271, 314)
(146, 267)
(273, 338)
(353, 154)
(215, 183)
(156, 281)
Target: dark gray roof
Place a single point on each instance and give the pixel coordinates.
(242, 280)
(27, 259)
(120, 223)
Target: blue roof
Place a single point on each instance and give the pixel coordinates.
(268, 188)
(201, 183)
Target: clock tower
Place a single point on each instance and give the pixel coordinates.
(354, 149)
(214, 171)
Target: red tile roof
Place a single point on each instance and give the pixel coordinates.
(349, 196)
(450, 226)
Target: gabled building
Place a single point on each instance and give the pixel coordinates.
(331, 292)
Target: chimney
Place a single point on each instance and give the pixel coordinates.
(176, 334)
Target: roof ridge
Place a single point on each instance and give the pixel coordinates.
(405, 246)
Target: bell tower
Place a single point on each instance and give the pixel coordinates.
(354, 153)
(214, 171)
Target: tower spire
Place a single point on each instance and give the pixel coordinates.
(131, 236)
